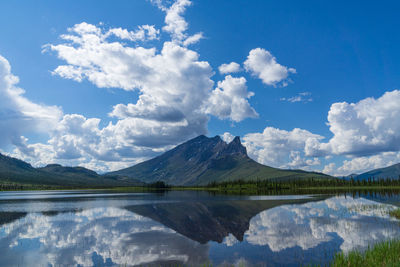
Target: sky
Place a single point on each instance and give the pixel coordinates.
(105, 85)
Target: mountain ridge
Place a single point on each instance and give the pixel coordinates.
(392, 172)
(202, 160)
(16, 171)
(198, 161)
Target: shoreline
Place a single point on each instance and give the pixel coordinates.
(240, 190)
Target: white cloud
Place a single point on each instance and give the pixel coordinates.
(173, 86)
(17, 113)
(230, 241)
(144, 32)
(227, 137)
(280, 148)
(366, 163)
(80, 141)
(229, 100)
(262, 64)
(176, 24)
(229, 68)
(368, 127)
(330, 169)
(195, 38)
(301, 97)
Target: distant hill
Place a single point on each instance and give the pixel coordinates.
(16, 171)
(68, 171)
(203, 160)
(392, 172)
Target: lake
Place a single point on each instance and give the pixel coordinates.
(187, 228)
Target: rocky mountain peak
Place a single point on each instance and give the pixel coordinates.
(235, 147)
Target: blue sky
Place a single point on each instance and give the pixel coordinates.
(304, 60)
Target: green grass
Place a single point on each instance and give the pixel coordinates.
(395, 213)
(382, 254)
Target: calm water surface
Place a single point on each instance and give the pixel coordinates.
(96, 228)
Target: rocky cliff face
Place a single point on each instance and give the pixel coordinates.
(202, 148)
(235, 147)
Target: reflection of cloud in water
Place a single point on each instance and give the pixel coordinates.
(359, 222)
(112, 233)
(230, 240)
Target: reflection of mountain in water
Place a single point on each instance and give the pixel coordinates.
(208, 221)
(7, 217)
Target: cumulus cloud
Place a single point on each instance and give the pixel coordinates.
(229, 100)
(329, 168)
(363, 164)
(367, 127)
(281, 148)
(229, 68)
(17, 113)
(227, 137)
(173, 86)
(143, 33)
(176, 25)
(262, 64)
(82, 141)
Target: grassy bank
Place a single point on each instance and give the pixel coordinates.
(395, 213)
(382, 254)
(386, 253)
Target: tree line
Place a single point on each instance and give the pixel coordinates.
(307, 183)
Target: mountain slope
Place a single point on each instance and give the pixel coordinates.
(392, 172)
(203, 160)
(13, 170)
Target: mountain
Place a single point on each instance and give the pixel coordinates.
(69, 171)
(392, 172)
(203, 160)
(205, 221)
(16, 171)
